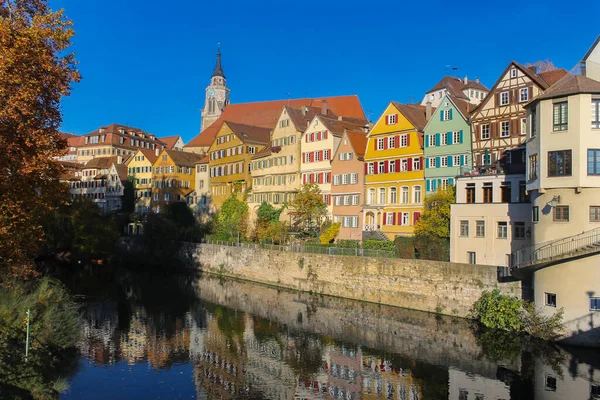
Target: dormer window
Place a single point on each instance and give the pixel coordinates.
(121, 130)
(513, 73)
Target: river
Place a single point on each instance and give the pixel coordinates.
(188, 337)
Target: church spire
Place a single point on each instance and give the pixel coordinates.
(218, 69)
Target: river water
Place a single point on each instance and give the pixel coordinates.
(188, 337)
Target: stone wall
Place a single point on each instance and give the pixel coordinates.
(442, 287)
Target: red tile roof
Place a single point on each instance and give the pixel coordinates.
(337, 126)
(464, 107)
(169, 141)
(263, 153)
(551, 77)
(113, 135)
(250, 133)
(569, 85)
(265, 114)
(184, 158)
(456, 86)
(149, 154)
(415, 113)
(358, 140)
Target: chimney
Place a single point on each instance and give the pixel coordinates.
(477, 79)
(340, 118)
(428, 111)
(324, 107)
(304, 110)
(533, 69)
(466, 80)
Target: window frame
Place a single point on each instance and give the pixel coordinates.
(480, 224)
(525, 92)
(485, 129)
(595, 163)
(548, 299)
(594, 211)
(596, 105)
(505, 127)
(560, 216)
(463, 228)
(558, 124)
(502, 230)
(554, 164)
(502, 102)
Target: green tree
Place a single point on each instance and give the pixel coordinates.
(37, 70)
(309, 207)
(94, 234)
(435, 220)
(267, 224)
(231, 219)
(129, 200)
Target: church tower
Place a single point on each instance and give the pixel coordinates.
(217, 95)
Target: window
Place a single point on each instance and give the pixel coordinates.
(392, 167)
(595, 113)
(523, 197)
(326, 154)
(487, 192)
(380, 143)
(431, 141)
(470, 189)
(345, 179)
(443, 161)
(417, 194)
(561, 116)
(371, 168)
(513, 73)
(404, 199)
(561, 214)
(480, 229)
(389, 218)
(456, 137)
(550, 380)
(550, 299)
(595, 306)
(536, 213)
(593, 160)
(505, 129)
(523, 126)
(431, 162)
(523, 95)
(446, 115)
(594, 213)
(381, 167)
(505, 192)
(455, 160)
(416, 164)
(392, 119)
(381, 195)
(464, 228)
(533, 122)
(391, 142)
(502, 230)
(533, 161)
(503, 98)
(371, 196)
(405, 219)
(559, 163)
(404, 164)
(354, 178)
(519, 230)
(485, 131)
(403, 140)
(487, 159)
(472, 257)
(393, 195)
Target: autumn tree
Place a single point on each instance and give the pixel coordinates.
(432, 231)
(231, 219)
(36, 71)
(309, 207)
(542, 65)
(268, 225)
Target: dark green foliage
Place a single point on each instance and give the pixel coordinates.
(230, 223)
(373, 244)
(404, 247)
(266, 212)
(348, 244)
(432, 247)
(128, 199)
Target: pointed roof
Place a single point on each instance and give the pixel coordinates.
(101, 162)
(263, 153)
(184, 158)
(456, 86)
(149, 154)
(337, 126)
(249, 133)
(170, 141)
(551, 77)
(569, 85)
(589, 52)
(218, 71)
(265, 114)
(358, 141)
(414, 113)
(302, 116)
(464, 107)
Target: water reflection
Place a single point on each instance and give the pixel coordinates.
(242, 340)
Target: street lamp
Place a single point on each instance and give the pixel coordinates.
(555, 200)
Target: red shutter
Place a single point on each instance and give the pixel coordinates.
(329, 200)
(397, 141)
(366, 169)
(328, 176)
(384, 219)
(385, 143)
(416, 216)
(394, 219)
(422, 163)
(304, 179)
(311, 156)
(375, 144)
(385, 166)
(306, 138)
(399, 218)
(321, 178)
(325, 135)
(410, 164)
(407, 139)
(321, 157)
(376, 167)
(397, 165)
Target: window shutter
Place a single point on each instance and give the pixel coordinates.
(497, 99)
(462, 159)
(438, 162)
(437, 139)
(387, 119)
(325, 135)
(384, 219)
(450, 112)
(410, 164)
(385, 143)
(426, 140)
(451, 181)
(450, 137)
(441, 114)
(439, 183)
(385, 166)
(376, 167)
(394, 219)
(515, 129)
(329, 200)
(396, 117)
(321, 155)
(428, 184)
(416, 216)
(397, 169)
(375, 144)
(479, 158)
(422, 159)
(328, 177)
(461, 136)
(320, 178)
(306, 138)
(397, 141)
(407, 139)
(366, 169)
(450, 159)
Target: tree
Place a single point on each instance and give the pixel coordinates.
(37, 71)
(231, 219)
(435, 220)
(267, 224)
(542, 65)
(129, 199)
(309, 207)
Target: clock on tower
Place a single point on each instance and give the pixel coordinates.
(217, 95)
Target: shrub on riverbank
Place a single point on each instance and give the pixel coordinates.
(509, 313)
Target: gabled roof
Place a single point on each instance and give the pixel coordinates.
(113, 135)
(101, 162)
(337, 126)
(456, 86)
(184, 158)
(169, 141)
(149, 154)
(589, 52)
(569, 85)
(358, 140)
(300, 117)
(203, 160)
(551, 77)
(414, 113)
(263, 153)
(249, 133)
(464, 107)
(121, 171)
(266, 113)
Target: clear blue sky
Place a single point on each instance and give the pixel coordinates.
(146, 63)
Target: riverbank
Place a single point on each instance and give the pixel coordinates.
(433, 286)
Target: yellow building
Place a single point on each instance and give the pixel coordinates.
(174, 177)
(230, 156)
(395, 184)
(139, 166)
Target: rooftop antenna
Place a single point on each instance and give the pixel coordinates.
(289, 96)
(411, 98)
(369, 113)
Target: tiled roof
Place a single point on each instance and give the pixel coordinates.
(184, 158)
(113, 135)
(249, 133)
(122, 171)
(169, 141)
(551, 77)
(570, 84)
(456, 86)
(300, 118)
(358, 140)
(203, 160)
(149, 154)
(101, 162)
(464, 107)
(337, 126)
(263, 153)
(265, 114)
(415, 113)
(475, 85)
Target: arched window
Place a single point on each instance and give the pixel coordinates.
(405, 198)
(371, 199)
(381, 195)
(393, 195)
(417, 194)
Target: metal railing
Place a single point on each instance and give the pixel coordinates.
(556, 248)
(294, 248)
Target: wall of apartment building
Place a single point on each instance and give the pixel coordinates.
(140, 168)
(170, 171)
(489, 247)
(342, 171)
(449, 288)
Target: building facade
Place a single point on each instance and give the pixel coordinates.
(471, 91)
(200, 199)
(348, 184)
(174, 177)
(490, 219)
(447, 145)
(140, 168)
(230, 158)
(217, 95)
(395, 180)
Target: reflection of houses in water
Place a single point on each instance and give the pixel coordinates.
(568, 380)
(382, 380)
(344, 372)
(133, 342)
(468, 386)
(165, 348)
(195, 323)
(99, 341)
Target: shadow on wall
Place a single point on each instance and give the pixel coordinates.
(584, 330)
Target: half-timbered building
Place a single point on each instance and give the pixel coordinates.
(499, 123)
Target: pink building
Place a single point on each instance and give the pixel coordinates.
(347, 190)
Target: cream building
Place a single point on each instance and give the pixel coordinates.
(200, 199)
(317, 146)
(139, 166)
(490, 220)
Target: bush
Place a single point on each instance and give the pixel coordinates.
(509, 313)
(373, 244)
(348, 244)
(404, 247)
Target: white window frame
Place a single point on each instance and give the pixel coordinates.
(416, 164)
(431, 140)
(391, 167)
(381, 196)
(405, 219)
(513, 73)
(389, 218)
(523, 126)
(380, 143)
(404, 195)
(391, 142)
(404, 140)
(417, 190)
(431, 162)
(446, 115)
(485, 131)
(503, 125)
(403, 164)
(443, 162)
(443, 139)
(503, 101)
(523, 95)
(456, 137)
(455, 161)
(391, 119)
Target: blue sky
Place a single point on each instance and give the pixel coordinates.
(146, 63)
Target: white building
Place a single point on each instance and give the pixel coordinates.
(464, 89)
(490, 220)
(200, 199)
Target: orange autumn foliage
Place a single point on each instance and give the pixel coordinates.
(36, 71)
